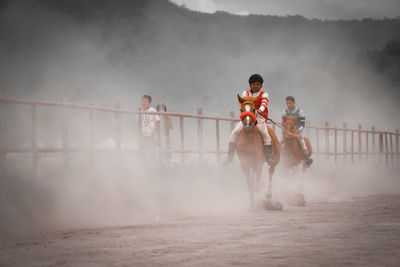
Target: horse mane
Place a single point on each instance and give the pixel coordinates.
(247, 99)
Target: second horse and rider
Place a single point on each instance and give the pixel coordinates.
(261, 104)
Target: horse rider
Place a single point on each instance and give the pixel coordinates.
(255, 82)
(300, 122)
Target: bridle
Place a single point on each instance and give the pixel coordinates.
(247, 116)
(286, 128)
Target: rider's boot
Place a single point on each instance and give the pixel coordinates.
(231, 150)
(307, 159)
(268, 155)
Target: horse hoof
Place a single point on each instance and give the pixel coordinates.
(301, 200)
(297, 200)
(268, 195)
(272, 205)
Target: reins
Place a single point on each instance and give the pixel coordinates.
(283, 129)
(280, 127)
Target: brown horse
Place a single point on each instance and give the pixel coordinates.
(250, 148)
(292, 152)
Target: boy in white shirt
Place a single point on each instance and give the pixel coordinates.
(148, 124)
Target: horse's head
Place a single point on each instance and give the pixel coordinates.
(289, 123)
(248, 112)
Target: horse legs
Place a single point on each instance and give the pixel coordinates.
(269, 190)
(250, 183)
(257, 178)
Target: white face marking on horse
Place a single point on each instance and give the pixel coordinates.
(247, 107)
(247, 121)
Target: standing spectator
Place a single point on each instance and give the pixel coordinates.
(167, 125)
(168, 122)
(148, 125)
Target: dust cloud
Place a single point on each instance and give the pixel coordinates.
(127, 190)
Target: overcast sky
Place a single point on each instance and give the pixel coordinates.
(320, 9)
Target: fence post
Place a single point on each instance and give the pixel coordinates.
(352, 145)
(91, 138)
(344, 140)
(386, 150)
(218, 144)
(3, 131)
(373, 141)
(34, 141)
(335, 143)
(140, 126)
(317, 139)
(200, 133)
(327, 139)
(232, 116)
(117, 129)
(182, 138)
(397, 144)
(359, 141)
(366, 145)
(65, 139)
(380, 146)
(391, 148)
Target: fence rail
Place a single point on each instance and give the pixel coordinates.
(355, 142)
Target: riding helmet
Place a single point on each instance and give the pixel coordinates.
(256, 78)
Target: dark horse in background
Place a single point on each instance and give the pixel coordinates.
(292, 152)
(250, 149)
(293, 155)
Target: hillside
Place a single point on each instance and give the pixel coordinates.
(97, 51)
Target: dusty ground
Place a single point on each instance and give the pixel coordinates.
(362, 232)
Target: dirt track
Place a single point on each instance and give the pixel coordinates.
(363, 232)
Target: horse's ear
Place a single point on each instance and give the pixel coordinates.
(241, 100)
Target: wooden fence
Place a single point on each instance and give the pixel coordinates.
(387, 145)
(360, 143)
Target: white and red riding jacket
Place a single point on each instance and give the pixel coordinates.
(262, 100)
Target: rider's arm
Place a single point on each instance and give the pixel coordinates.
(302, 121)
(264, 101)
